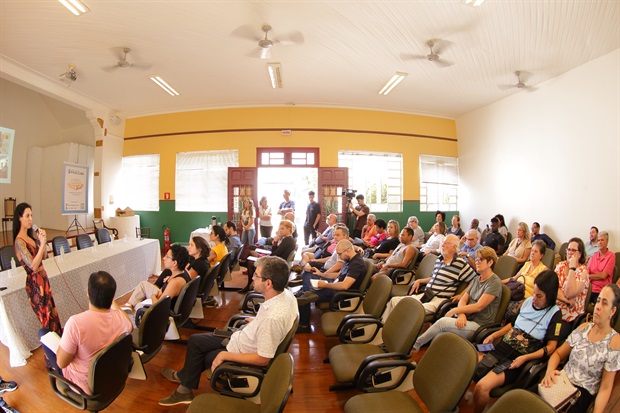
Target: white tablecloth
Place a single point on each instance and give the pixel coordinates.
(204, 233)
(129, 263)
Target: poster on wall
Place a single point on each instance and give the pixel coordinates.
(74, 189)
(6, 154)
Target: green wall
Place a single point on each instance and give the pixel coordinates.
(181, 224)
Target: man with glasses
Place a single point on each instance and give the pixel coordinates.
(350, 277)
(255, 344)
(470, 247)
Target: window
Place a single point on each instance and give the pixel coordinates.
(376, 175)
(140, 182)
(439, 179)
(202, 180)
(304, 157)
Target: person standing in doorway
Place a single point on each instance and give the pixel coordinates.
(313, 217)
(288, 205)
(361, 212)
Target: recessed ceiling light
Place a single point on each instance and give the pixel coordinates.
(162, 84)
(392, 82)
(275, 75)
(75, 6)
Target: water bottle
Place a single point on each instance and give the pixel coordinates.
(125, 237)
(213, 220)
(94, 247)
(13, 265)
(62, 253)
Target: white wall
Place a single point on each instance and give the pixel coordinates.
(550, 155)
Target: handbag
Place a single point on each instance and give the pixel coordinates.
(140, 313)
(517, 289)
(488, 362)
(562, 394)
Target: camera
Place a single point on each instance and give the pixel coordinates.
(349, 193)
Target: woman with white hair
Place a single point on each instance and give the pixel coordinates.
(418, 232)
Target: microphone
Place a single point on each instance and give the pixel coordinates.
(35, 229)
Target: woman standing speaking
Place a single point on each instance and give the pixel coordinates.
(31, 252)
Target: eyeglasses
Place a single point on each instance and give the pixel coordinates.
(470, 239)
(256, 277)
(341, 252)
(168, 256)
(478, 259)
(572, 250)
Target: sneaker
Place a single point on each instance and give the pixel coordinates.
(5, 408)
(297, 268)
(211, 302)
(296, 281)
(7, 386)
(170, 374)
(307, 297)
(177, 398)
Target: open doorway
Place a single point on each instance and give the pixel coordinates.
(299, 181)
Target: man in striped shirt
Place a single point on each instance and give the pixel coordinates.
(449, 272)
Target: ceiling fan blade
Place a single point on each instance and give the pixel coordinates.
(505, 87)
(246, 32)
(110, 68)
(409, 56)
(440, 45)
(294, 37)
(140, 66)
(443, 63)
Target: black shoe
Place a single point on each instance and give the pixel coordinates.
(301, 329)
(296, 281)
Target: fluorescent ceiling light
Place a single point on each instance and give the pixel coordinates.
(476, 3)
(162, 84)
(391, 84)
(275, 75)
(75, 6)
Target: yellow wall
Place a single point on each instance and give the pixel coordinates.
(333, 130)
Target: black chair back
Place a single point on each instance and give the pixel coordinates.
(60, 243)
(185, 302)
(83, 241)
(6, 253)
(207, 282)
(102, 235)
(153, 327)
(224, 263)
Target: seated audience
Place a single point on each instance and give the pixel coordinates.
(449, 272)
(440, 216)
(501, 227)
(533, 335)
(531, 269)
(255, 344)
(593, 352)
(494, 239)
(290, 216)
(350, 278)
(601, 266)
(521, 246)
(232, 238)
(418, 232)
(175, 261)
(536, 235)
(87, 333)
(324, 267)
(326, 236)
(389, 244)
(470, 247)
(219, 250)
(401, 257)
(475, 224)
(573, 279)
(592, 245)
(433, 245)
(379, 235)
(477, 306)
(455, 229)
(198, 264)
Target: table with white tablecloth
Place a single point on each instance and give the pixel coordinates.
(129, 263)
(203, 233)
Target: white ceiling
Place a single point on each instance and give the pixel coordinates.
(349, 49)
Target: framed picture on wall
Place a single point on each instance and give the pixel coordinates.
(6, 154)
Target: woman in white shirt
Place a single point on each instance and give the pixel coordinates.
(264, 218)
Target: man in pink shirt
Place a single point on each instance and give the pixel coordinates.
(87, 333)
(601, 266)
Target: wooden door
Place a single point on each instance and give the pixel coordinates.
(242, 183)
(331, 183)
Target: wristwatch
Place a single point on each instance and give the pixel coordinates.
(573, 268)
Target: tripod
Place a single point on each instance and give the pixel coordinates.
(75, 224)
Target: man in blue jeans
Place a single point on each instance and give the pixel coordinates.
(350, 278)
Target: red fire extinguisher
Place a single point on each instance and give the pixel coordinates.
(166, 239)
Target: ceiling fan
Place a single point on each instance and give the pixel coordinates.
(124, 63)
(435, 49)
(69, 76)
(265, 44)
(520, 83)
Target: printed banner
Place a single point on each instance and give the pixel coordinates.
(75, 189)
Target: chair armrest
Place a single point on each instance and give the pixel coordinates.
(56, 377)
(378, 372)
(224, 375)
(348, 326)
(484, 332)
(252, 298)
(444, 307)
(402, 276)
(339, 300)
(377, 358)
(237, 321)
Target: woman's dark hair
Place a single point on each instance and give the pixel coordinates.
(220, 232)
(17, 214)
(443, 215)
(180, 255)
(581, 247)
(616, 304)
(101, 289)
(547, 282)
(202, 245)
(542, 247)
(381, 223)
(502, 221)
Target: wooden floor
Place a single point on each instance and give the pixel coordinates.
(311, 381)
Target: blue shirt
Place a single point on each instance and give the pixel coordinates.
(471, 251)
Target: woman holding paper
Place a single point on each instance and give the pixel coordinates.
(30, 250)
